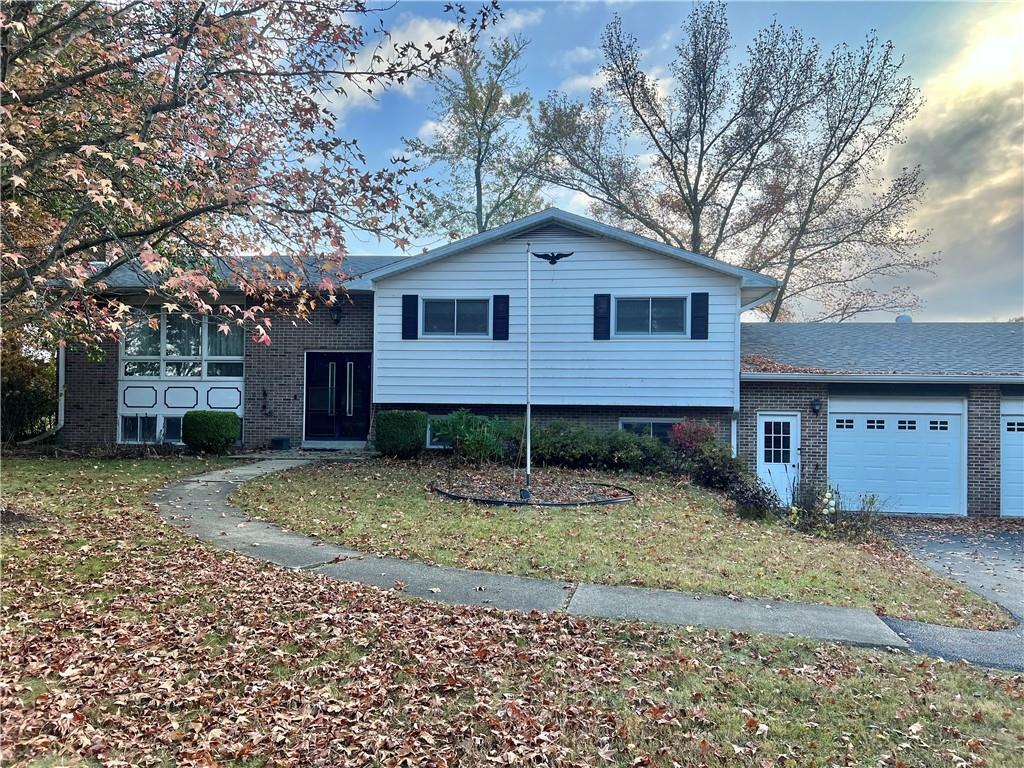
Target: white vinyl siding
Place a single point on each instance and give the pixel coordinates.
(569, 366)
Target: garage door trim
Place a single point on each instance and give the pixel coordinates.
(955, 406)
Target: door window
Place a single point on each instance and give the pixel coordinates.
(778, 442)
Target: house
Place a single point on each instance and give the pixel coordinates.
(627, 333)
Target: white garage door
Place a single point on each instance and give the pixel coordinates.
(907, 453)
(1012, 453)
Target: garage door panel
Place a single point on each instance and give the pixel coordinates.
(1012, 464)
(896, 457)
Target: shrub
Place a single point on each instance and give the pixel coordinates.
(400, 434)
(474, 438)
(754, 499)
(28, 399)
(687, 436)
(210, 431)
(817, 509)
(565, 444)
(712, 465)
(627, 450)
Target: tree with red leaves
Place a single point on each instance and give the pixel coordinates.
(196, 144)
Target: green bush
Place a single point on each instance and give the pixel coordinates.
(624, 450)
(28, 393)
(210, 431)
(400, 434)
(475, 438)
(712, 465)
(564, 444)
(754, 499)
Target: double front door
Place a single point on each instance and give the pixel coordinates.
(337, 396)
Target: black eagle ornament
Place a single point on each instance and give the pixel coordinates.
(553, 258)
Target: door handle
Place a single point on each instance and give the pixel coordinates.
(349, 387)
(331, 387)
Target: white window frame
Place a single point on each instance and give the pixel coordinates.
(650, 334)
(455, 334)
(203, 359)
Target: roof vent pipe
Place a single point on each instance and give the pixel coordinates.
(904, 319)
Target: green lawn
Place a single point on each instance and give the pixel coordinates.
(127, 642)
(676, 536)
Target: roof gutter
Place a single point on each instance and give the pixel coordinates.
(908, 378)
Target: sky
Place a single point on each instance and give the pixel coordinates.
(967, 59)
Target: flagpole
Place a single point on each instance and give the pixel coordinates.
(529, 368)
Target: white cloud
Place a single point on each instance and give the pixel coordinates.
(407, 29)
(428, 130)
(515, 21)
(581, 54)
(967, 139)
(583, 83)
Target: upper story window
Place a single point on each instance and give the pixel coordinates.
(650, 316)
(456, 317)
(174, 346)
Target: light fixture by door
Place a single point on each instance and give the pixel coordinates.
(336, 313)
(815, 406)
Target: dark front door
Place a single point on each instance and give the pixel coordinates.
(337, 395)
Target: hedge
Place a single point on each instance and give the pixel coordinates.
(210, 431)
(401, 434)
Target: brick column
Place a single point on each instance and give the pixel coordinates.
(90, 398)
(983, 449)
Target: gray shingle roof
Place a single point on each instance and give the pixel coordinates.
(131, 277)
(887, 348)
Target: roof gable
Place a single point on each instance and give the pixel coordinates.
(554, 223)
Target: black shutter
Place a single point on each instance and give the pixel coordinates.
(698, 315)
(499, 323)
(410, 312)
(602, 316)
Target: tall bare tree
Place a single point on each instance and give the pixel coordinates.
(771, 163)
(480, 142)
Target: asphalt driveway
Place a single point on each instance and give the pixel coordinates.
(985, 556)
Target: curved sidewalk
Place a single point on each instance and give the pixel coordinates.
(200, 505)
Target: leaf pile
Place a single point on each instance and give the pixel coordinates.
(126, 643)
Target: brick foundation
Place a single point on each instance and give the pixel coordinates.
(604, 418)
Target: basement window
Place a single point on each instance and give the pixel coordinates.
(138, 429)
(659, 428)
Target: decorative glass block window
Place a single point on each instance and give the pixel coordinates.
(876, 423)
(1015, 426)
(938, 425)
(650, 316)
(138, 429)
(906, 425)
(456, 317)
(844, 423)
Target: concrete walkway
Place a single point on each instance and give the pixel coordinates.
(200, 505)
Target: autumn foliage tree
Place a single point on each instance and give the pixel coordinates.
(194, 143)
(771, 160)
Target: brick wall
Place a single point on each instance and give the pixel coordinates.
(787, 396)
(983, 447)
(90, 399)
(599, 417)
(274, 375)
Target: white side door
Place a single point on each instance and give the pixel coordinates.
(1011, 465)
(778, 452)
